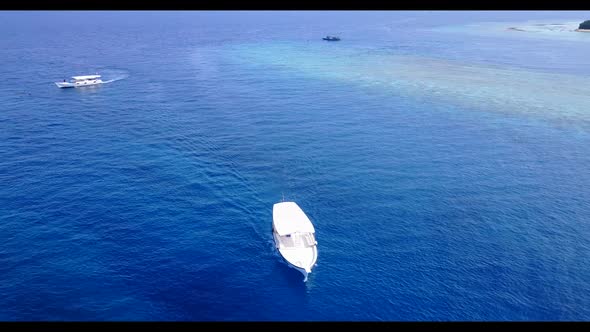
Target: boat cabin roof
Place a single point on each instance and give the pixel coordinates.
(288, 218)
(87, 77)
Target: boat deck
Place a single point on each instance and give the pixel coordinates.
(297, 240)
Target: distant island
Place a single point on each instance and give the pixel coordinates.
(584, 26)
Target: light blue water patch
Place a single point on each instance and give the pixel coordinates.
(553, 96)
(557, 29)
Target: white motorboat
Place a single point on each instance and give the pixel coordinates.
(294, 236)
(80, 81)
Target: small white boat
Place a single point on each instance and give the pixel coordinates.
(294, 236)
(80, 81)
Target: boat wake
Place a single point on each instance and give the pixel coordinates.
(110, 76)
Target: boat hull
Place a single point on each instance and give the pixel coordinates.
(63, 85)
(302, 270)
(310, 253)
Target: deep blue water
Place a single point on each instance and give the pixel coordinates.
(150, 198)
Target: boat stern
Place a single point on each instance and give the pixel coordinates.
(64, 84)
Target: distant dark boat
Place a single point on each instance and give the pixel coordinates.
(331, 38)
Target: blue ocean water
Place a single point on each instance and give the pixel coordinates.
(445, 167)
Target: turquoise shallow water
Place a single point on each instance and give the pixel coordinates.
(445, 168)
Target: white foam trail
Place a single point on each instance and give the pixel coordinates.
(114, 76)
(116, 79)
